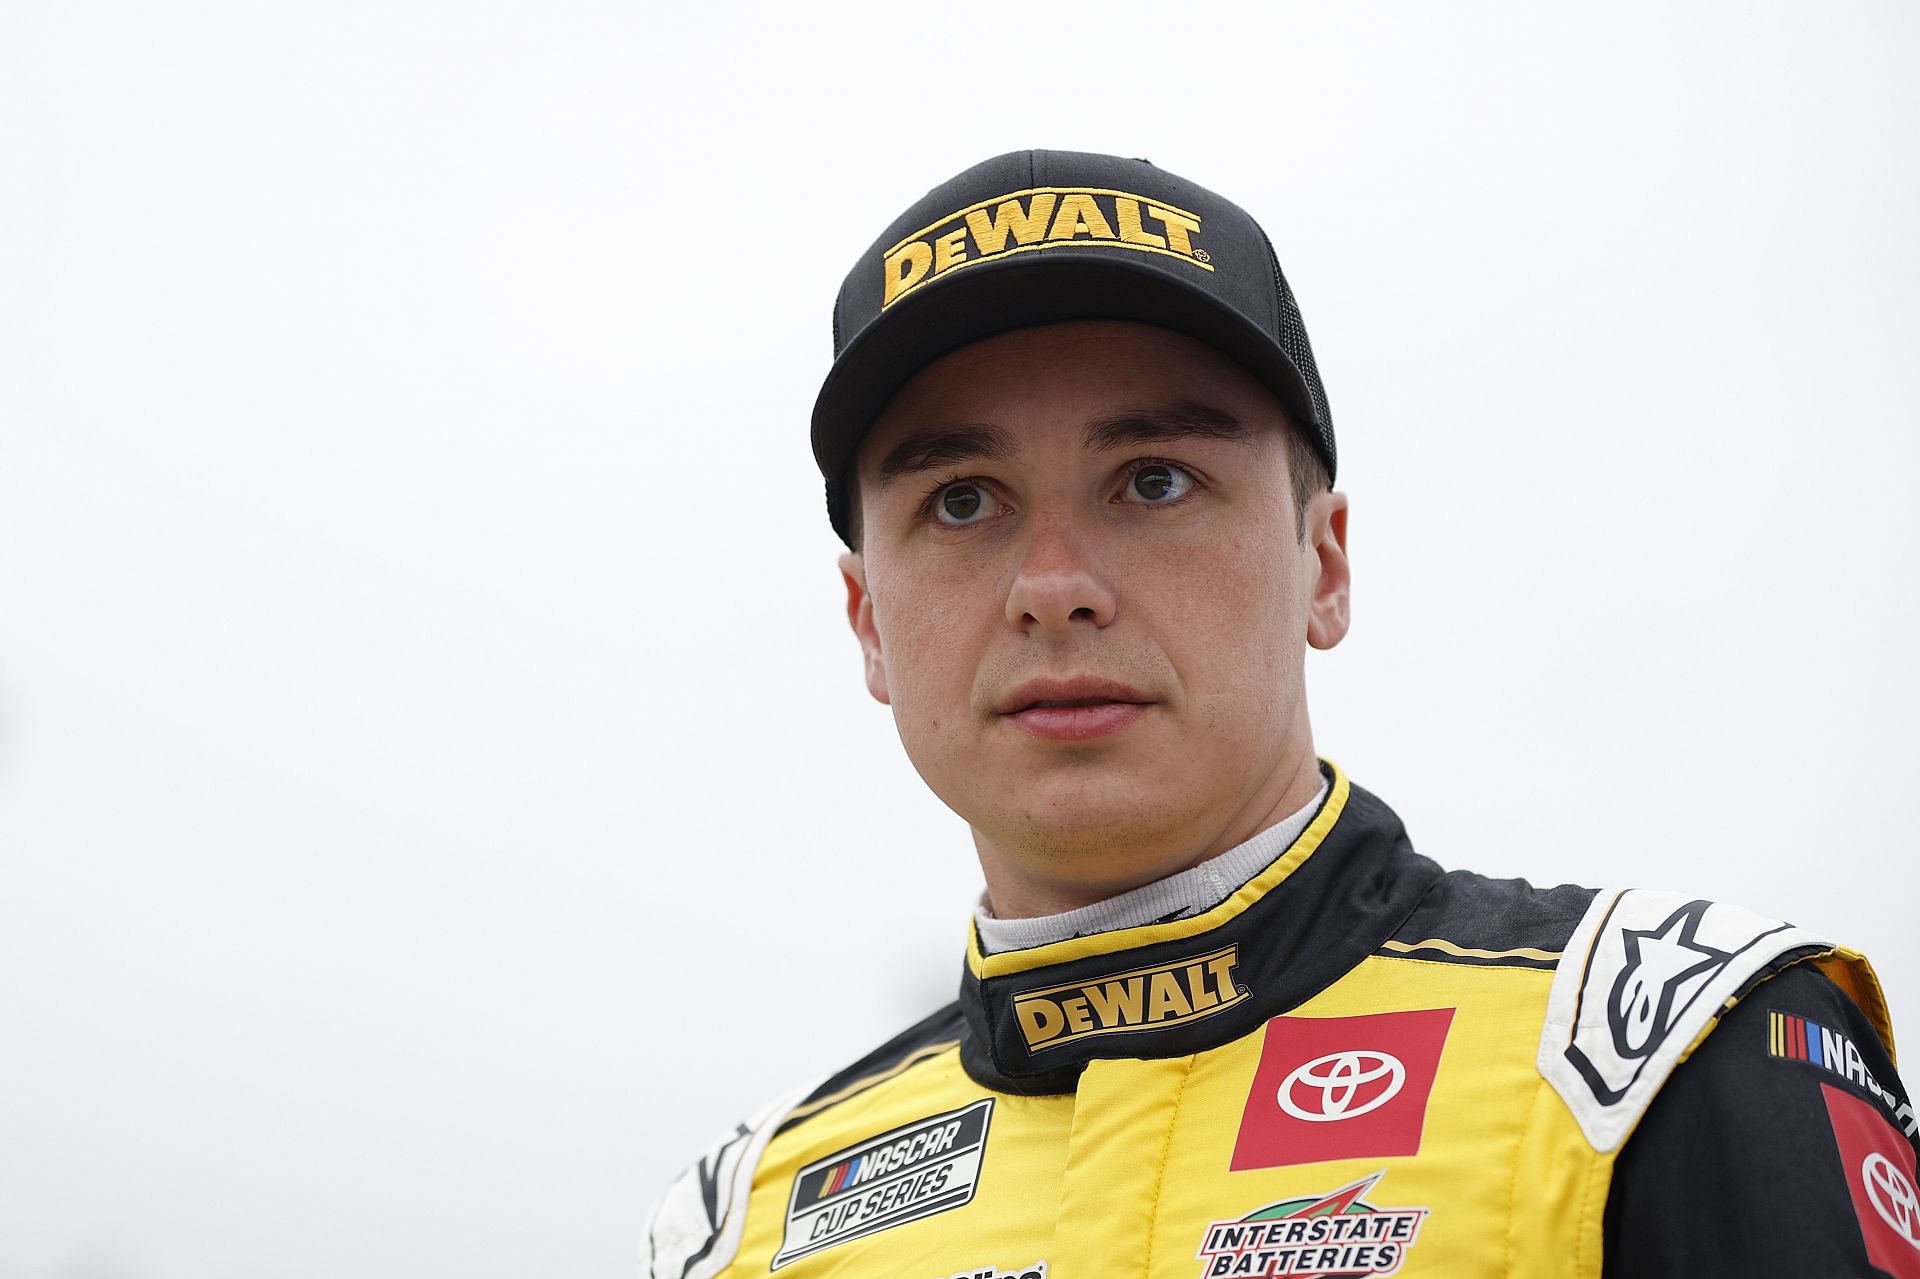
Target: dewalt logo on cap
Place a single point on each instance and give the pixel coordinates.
(1040, 218)
(1144, 999)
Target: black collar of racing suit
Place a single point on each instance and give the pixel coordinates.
(1036, 1017)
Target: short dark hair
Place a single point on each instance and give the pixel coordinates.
(1308, 474)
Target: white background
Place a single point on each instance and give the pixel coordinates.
(436, 791)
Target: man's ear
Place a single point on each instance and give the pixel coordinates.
(860, 618)
(1327, 607)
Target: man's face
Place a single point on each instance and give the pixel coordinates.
(1081, 591)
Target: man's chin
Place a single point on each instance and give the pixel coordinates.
(1118, 817)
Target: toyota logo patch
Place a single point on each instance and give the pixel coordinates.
(1880, 1179)
(1341, 1085)
(1341, 1088)
(1892, 1196)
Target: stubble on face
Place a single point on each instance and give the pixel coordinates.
(1198, 606)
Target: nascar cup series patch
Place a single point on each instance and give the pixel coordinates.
(911, 1173)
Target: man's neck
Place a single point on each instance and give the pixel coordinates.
(1179, 896)
(1025, 887)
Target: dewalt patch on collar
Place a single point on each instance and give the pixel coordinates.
(1040, 218)
(1154, 998)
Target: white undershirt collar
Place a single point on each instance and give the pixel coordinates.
(1190, 892)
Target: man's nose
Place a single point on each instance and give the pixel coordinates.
(1059, 582)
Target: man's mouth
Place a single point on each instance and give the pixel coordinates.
(1068, 692)
(1076, 709)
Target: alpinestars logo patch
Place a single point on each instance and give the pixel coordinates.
(1657, 969)
(1664, 966)
(1327, 1235)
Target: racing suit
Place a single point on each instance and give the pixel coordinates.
(1357, 1064)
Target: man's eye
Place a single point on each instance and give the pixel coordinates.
(1159, 483)
(963, 503)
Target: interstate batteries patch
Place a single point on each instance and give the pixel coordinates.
(1321, 1235)
(911, 1173)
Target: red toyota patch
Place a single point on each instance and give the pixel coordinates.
(1341, 1088)
(1880, 1177)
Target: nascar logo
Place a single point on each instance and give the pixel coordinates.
(840, 1178)
(1796, 1038)
(923, 1144)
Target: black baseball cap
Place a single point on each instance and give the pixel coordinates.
(1038, 237)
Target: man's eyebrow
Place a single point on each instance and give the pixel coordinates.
(1171, 422)
(944, 446)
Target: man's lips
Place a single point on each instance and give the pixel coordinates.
(1083, 690)
(1075, 709)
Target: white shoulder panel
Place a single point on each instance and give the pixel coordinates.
(694, 1230)
(1644, 974)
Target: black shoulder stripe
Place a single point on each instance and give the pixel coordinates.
(919, 1042)
(1507, 923)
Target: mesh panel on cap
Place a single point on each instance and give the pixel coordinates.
(1293, 340)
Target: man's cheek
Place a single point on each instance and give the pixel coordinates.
(931, 675)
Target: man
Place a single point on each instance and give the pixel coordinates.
(1217, 1017)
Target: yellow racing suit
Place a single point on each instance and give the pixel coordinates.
(1356, 1065)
